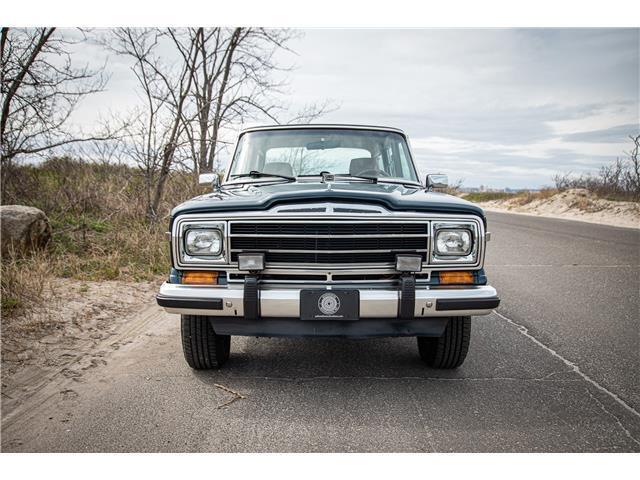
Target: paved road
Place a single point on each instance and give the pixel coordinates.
(556, 368)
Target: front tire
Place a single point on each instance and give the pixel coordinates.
(449, 350)
(203, 348)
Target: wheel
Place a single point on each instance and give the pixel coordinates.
(203, 348)
(450, 349)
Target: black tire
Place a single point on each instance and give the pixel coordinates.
(449, 350)
(203, 348)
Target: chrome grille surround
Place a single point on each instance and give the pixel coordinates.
(327, 213)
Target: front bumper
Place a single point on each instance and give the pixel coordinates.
(284, 303)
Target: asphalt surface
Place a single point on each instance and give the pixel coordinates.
(555, 369)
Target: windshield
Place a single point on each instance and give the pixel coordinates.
(310, 151)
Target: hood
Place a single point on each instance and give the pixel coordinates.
(265, 196)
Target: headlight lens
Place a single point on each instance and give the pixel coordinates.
(453, 242)
(199, 241)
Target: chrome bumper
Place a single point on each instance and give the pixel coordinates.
(285, 302)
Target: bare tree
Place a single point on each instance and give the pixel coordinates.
(634, 170)
(234, 81)
(156, 130)
(41, 88)
(222, 77)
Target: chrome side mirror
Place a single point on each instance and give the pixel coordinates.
(437, 181)
(210, 179)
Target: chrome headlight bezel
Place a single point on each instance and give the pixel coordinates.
(185, 258)
(470, 257)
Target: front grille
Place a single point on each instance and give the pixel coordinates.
(325, 243)
(331, 244)
(329, 228)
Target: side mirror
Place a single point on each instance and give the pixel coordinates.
(437, 181)
(210, 179)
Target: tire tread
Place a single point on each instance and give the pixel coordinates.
(450, 349)
(202, 347)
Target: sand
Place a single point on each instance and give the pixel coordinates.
(574, 204)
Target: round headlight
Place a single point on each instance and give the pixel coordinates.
(453, 242)
(203, 242)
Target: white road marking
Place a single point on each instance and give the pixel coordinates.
(604, 409)
(525, 331)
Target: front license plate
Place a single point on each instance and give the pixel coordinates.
(329, 305)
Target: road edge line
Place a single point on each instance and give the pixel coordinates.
(525, 331)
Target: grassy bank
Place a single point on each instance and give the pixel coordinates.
(100, 230)
(521, 198)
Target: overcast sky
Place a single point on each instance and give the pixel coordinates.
(494, 107)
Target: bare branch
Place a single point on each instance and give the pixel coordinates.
(41, 88)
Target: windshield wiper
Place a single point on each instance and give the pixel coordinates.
(360, 177)
(400, 181)
(256, 174)
(394, 181)
(342, 176)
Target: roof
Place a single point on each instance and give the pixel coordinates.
(323, 125)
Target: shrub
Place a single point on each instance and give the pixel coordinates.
(617, 181)
(100, 229)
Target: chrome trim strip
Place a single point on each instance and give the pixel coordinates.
(334, 266)
(385, 235)
(322, 218)
(331, 207)
(329, 279)
(270, 215)
(372, 250)
(337, 126)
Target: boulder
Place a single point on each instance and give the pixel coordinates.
(23, 228)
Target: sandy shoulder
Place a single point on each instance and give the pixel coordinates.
(78, 321)
(576, 204)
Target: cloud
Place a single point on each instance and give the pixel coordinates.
(504, 107)
(606, 135)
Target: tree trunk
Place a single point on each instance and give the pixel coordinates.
(167, 158)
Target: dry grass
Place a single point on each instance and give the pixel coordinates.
(528, 197)
(24, 281)
(520, 198)
(487, 196)
(100, 231)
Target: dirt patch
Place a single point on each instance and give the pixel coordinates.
(572, 204)
(73, 324)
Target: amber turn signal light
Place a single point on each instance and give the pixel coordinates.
(451, 278)
(200, 278)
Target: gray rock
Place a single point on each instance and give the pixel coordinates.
(23, 228)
